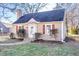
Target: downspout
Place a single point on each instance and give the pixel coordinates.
(62, 32)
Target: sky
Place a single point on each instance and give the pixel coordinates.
(50, 6)
(13, 17)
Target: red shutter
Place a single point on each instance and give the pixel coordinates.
(53, 26)
(43, 29)
(17, 27)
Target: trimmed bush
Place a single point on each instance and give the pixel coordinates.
(21, 33)
(12, 36)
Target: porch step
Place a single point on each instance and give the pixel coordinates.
(47, 37)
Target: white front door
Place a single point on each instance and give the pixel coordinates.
(48, 27)
(32, 29)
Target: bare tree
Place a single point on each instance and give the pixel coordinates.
(70, 13)
(73, 15)
(32, 7)
(9, 6)
(27, 7)
(61, 6)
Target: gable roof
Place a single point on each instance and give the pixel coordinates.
(47, 16)
(32, 20)
(5, 29)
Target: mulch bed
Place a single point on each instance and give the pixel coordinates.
(46, 41)
(67, 39)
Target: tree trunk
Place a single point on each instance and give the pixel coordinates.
(66, 25)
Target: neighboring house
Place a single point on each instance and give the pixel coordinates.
(3, 28)
(42, 22)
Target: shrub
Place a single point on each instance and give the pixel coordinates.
(73, 31)
(21, 33)
(12, 35)
(54, 32)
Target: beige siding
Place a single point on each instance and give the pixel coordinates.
(39, 25)
(57, 24)
(40, 28)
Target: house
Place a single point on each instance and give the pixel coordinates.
(42, 22)
(4, 31)
(3, 28)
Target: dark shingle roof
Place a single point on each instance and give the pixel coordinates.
(47, 16)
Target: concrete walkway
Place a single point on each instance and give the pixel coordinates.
(7, 43)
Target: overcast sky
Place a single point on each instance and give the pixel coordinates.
(49, 7)
(13, 16)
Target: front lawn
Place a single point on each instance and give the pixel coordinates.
(35, 49)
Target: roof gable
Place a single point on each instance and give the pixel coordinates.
(47, 16)
(32, 20)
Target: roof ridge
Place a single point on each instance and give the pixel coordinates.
(46, 11)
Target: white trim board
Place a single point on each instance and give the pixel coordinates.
(32, 20)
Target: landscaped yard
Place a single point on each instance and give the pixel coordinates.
(41, 49)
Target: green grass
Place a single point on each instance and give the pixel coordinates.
(40, 50)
